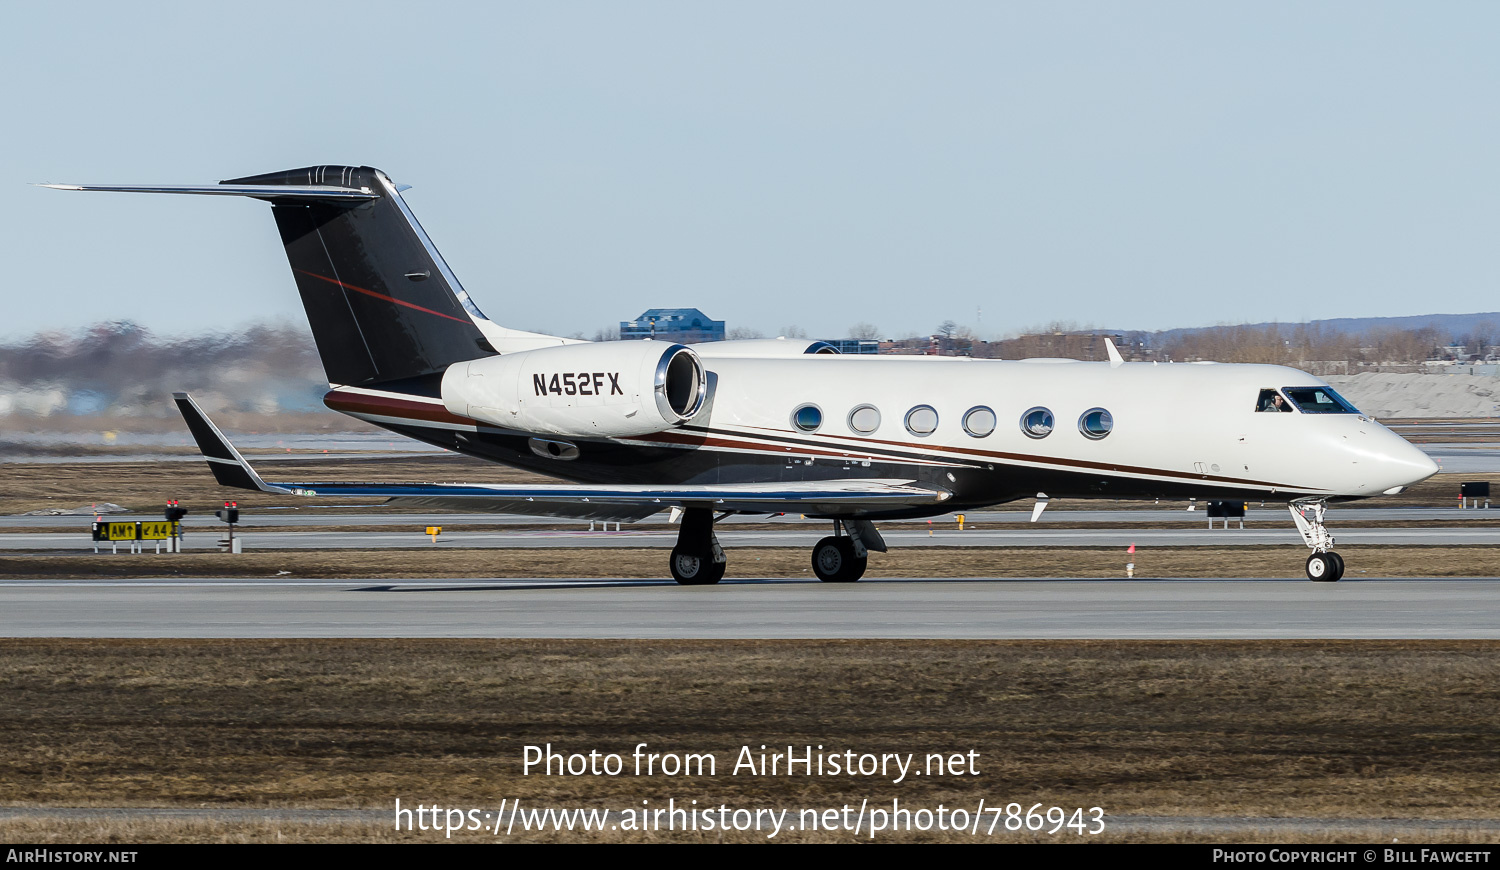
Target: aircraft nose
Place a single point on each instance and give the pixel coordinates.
(1403, 464)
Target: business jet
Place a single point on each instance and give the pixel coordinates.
(769, 426)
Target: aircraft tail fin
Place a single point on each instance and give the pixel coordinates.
(382, 303)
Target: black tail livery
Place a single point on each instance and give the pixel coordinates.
(382, 303)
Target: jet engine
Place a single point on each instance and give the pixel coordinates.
(606, 389)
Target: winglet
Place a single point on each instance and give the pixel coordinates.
(1115, 359)
(228, 466)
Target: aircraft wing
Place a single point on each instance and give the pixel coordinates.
(837, 497)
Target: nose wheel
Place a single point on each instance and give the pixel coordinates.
(1324, 565)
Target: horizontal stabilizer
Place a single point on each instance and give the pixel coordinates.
(269, 192)
(382, 303)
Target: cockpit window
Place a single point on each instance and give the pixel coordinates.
(1319, 400)
(1271, 401)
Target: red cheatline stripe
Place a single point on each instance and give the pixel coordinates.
(379, 295)
(392, 408)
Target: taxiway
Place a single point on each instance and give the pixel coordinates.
(879, 608)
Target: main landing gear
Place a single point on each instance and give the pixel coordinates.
(841, 557)
(838, 559)
(1324, 565)
(698, 560)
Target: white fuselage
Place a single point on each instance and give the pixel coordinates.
(1177, 423)
(1178, 430)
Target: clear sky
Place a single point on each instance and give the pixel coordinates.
(1132, 165)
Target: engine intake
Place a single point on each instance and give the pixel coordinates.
(607, 389)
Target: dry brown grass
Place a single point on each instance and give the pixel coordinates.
(68, 831)
(760, 562)
(145, 486)
(1440, 490)
(1292, 728)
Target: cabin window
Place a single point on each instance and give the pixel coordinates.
(922, 420)
(1037, 423)
(979, 421)
(864, 419)
(808, 418)
(1319, 400)
(1096, 423)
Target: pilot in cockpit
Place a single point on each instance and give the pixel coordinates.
(1270, 400)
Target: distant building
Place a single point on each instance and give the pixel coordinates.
(927, 345)
(855, 345)
(686, 325)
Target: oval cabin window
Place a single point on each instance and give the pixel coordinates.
(864, 419)
(1096, 423)
(922, 420)
(979, 422)
(807, 418)
(1037, 423)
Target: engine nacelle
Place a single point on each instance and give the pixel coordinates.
(605, 389)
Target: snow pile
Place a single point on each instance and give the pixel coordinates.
(88, 510)
(1387, 395)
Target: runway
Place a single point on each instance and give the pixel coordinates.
(1464, 459)
(887, 608)
(793, 536)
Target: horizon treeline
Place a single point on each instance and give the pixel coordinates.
(121, 368)
(1296, 345)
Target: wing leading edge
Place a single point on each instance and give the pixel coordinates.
(838, 497)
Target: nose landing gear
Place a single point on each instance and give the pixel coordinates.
(1324, 565)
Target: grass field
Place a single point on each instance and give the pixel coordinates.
(760, 562)
(1353, 729)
